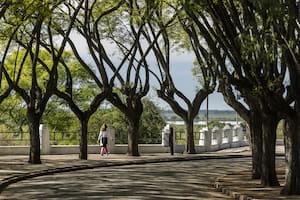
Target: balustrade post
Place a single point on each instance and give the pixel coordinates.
(111, 139)
(165, 136)
(44, 139)
(230, 137)
(202, 137)
(206, 141)
(226, 136)
(239, 133)
(217, 135)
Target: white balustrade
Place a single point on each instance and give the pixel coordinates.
(209, 140)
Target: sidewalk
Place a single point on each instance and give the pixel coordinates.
(237, 185)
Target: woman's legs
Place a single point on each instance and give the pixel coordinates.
(101, 151)
(104, 148)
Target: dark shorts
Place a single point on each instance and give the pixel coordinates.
(104, 141)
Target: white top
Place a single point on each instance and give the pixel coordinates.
(103, 134)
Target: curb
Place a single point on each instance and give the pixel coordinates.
(233, 194)
(25, 176)
(229, 192)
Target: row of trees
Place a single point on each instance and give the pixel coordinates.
(245, 46)
(36, 65)
(63, 126)
(256, 44)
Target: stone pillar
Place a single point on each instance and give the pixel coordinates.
(239, 132)
(111, 139)
(217, 135)
(226, 137)
(227, 132)
(208, 140)
(235, 133)
(205, 138)
(165, 136)
(202, 137)
(214, 135)
(44, 139)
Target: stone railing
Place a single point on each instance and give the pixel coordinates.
(210, 140)
(213, 140)
(217, 139)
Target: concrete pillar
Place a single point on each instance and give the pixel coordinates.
(205, 138)
(214, 135)
(165, 136)
(208, 140)
(111, 139)
(227, 134)
(202, 137)
(236, 133)
(44, 139)
(239, 132)
(217, 135)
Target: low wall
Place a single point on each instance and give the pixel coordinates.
(14, 150)
(210, 140)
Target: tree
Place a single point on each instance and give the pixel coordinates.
(239, 42)
(284, 19)
(29, 21)
(250, 112)
(125, 78)
(164, 21)
(84, 100)
(91, 27)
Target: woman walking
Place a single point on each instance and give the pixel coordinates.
(103, 139)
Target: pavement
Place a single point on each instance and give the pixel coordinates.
(236, 183)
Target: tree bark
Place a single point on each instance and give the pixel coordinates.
(291, 142)
(133, 135)
(190, 143)
(35, 149)
(292, 176)
(269, 126)
(255, 125)
(83, 154)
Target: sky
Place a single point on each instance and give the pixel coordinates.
(181, 70)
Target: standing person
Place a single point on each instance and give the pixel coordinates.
(103, 139)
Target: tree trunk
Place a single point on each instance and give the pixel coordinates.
(83, 154)
(255, 125)
(190, 144)
(35, 149)
(269, 126)
(133, 145)
(291, 141)
(292, 150)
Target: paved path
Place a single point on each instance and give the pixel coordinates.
(168, 180)
(151, 176)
